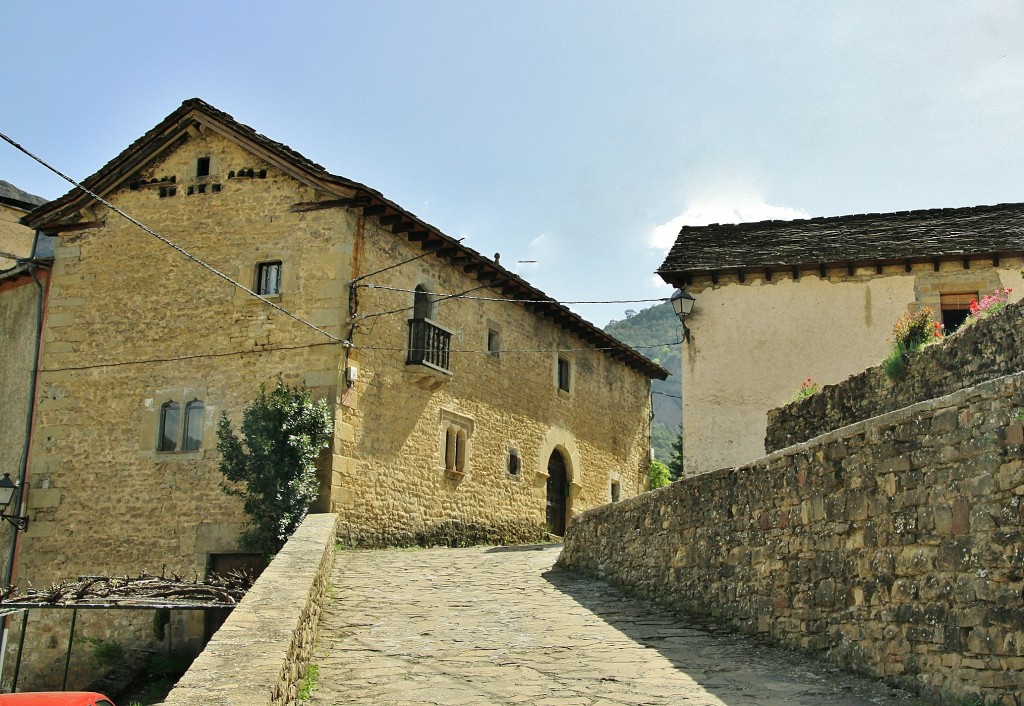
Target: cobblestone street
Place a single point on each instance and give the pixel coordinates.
(501, 626)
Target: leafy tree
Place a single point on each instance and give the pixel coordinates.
(656, 330)
(283, 432)
(675, 464)
(658, 475)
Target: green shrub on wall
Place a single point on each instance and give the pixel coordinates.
(273, 466)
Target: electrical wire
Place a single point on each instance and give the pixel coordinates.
(441, 298)
(519, 301)
(521, 350)
(193, 356)
(666, 394)
(334, 340)
(171, 244)
(260, 351)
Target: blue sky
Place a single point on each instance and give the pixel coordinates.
(578, 134)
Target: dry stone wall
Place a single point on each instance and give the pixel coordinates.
(989, 348)
(892, 545)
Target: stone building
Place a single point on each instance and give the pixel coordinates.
(779, 302)
(467, 404)
(24, 271)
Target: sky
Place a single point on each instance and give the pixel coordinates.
(580, 135)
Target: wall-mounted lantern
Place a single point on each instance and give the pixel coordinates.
(7, 491)
(682, 304)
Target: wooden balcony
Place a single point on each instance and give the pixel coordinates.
(429, 345)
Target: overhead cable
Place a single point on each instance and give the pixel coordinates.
(520, 301)
(173, 245)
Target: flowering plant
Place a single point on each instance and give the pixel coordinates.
(990, 304)
(807, 388)
(915, 329)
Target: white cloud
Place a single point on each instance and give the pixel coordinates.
(736, 209)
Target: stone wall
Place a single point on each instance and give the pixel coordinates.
(991, 347)
(261, 653)
(892, 546)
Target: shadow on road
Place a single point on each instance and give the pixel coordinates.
(736, 668)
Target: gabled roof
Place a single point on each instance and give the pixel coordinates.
(10, 195)
(66, 213)
(873, 238)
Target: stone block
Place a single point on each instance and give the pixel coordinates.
(40, 498)
(961, 517)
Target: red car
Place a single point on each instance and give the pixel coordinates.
(55, 698)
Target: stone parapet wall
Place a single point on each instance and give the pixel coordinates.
(260, 654)
(893, 545)
(988, 349)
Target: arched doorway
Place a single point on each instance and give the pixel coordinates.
(558, 493)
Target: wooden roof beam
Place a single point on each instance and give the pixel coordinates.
(355, 202)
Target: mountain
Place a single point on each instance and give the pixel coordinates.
(655, 332)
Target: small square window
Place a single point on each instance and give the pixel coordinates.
(564, 373)
(955, 308)
(203, 167)
(268, 278)
(493, 342)
(616, 491)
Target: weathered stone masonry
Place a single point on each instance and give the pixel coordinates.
(893, 545)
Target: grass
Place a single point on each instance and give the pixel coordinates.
(308, 683)
(895, 364)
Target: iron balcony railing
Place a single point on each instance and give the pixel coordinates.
(429, 345)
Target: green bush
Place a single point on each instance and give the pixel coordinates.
(912, 332)
(107, 654)
(658, 475)
(895, 364)
(273, 467)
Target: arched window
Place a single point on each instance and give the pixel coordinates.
(460, 451)
(168, 439)
(181, 429)
(450, 448)
(422, 305)
(193, 425)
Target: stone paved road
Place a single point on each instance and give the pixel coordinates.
(501, 626)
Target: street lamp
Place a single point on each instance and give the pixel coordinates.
(7, 489)
(682, 304)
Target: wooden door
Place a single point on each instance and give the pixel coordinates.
(558, 492)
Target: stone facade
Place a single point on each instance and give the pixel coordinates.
(989, 348)
(892, 546)
(133, 325)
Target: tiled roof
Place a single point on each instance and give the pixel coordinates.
(904, 236)
(14, 196)
(66, 210)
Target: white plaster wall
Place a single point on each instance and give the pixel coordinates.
(753, 344)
